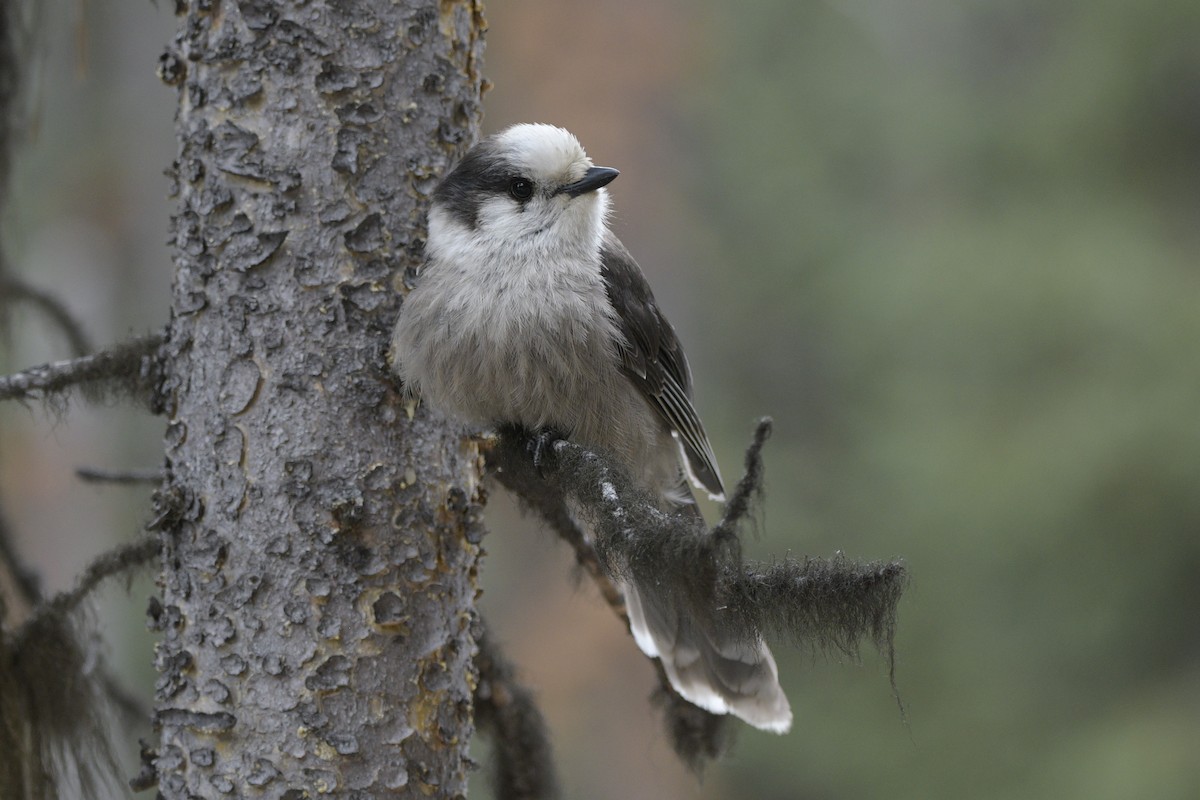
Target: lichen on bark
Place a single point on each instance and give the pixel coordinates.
(319, 540)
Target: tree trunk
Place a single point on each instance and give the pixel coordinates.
(320, 545)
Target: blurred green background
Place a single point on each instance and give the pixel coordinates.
(952, 248)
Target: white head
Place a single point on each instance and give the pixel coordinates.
(529, 187)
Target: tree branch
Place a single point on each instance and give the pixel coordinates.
(512, 466)
(824, 604)
(54, 700)
(133, 476)
(114, 562)
(524, 764)
(696, 735)
(130, 369)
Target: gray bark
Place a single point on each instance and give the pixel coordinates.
(319, 543)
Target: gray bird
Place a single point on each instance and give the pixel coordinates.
(528, 311)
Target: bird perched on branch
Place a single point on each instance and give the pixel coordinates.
(528, 311)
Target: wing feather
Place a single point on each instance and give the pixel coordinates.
(654, 361)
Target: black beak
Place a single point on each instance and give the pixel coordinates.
(593, 179)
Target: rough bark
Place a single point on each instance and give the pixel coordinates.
(319, 544)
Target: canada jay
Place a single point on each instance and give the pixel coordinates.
(529, 311)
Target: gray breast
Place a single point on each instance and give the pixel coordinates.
(539, 357)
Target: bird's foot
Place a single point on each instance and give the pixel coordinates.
(540, 444)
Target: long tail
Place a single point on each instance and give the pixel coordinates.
(708, 669)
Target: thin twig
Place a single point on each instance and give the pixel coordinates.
(750, 487)
(133, 476)
(120, 559)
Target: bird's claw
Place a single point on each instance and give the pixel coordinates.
(540, 446)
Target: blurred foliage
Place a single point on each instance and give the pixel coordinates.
(956, 252)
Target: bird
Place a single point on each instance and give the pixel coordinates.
(528, 311)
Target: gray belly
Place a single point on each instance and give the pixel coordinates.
(540, 369)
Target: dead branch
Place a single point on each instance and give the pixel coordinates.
(133, 476)
(825, 604)
(524, 768)
(128, 369)
(116, 561)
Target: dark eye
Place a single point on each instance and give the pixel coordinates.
(520, 188)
